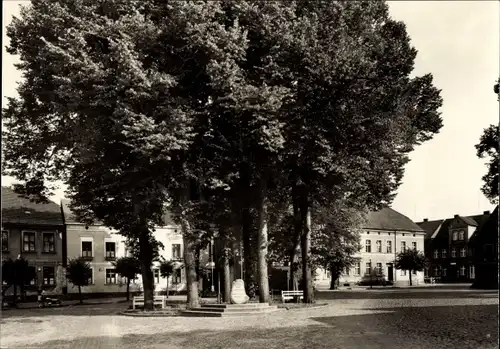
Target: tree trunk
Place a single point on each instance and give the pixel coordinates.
(409, 272)
(128, 289)
(249, 252)
(306, 250)
(80, 294)
(294, 252)
(145, 252)
(193, 300)
(262, 244)
(167, 286)
(334, 279)
(227, 280)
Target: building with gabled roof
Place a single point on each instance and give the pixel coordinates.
(447, 249)
(383, 235)
(35, 232)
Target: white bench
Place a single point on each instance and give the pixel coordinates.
(286, 295)
(157, 300)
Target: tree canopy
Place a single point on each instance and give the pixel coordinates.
(488, 147)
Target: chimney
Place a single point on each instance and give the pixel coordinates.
(426, 219)
(486, 212)
(456, 216)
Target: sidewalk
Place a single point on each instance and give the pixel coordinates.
(115, 300)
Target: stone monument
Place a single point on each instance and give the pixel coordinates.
(238, 295)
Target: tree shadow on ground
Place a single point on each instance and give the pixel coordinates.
(380, 294)
(412, 328)
(463, 326)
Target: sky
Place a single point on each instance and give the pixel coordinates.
(458, 42)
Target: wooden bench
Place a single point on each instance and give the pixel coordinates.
(286, 295)
(157, 300)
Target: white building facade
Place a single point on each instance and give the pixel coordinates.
(384, 234)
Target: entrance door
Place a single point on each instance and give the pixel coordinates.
(390, 272)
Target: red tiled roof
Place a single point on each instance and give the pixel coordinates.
(16, 209)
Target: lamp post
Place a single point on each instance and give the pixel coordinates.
(212, 264)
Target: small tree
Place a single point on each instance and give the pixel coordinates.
(16, 273)
(411, 260)
(129, 268)
(167, 268)
(79, 274)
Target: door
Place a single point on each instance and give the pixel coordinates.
(390, 272)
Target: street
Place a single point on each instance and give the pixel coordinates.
(353, 319)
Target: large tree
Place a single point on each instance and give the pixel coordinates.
(355, 113)
(488, 147)
(411, 260)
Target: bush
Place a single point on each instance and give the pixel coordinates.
(374, 279)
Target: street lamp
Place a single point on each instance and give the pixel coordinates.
(212, 264)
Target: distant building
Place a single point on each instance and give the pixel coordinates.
(34, 231)
(447, 247)
(384, 234)
(484, 247)
(101, 246)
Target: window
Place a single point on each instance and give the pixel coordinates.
(176, 251)
(436, 254)
(110, 276)
(5, 241)
(461, 235)
(472, 272)
(49, 245)
(368, 246)
(357, 268)
(91, 278)
(368, 268)
(379, 268)
(414, 272)
(389, 246)
(176, 276)
(31, 276)
(436, 271)
(463, 252)
(414, 245)
(403, 246)
(87, 249)
(48, 276)
(110, 250)
(403, 272)
(462, 270)
(444, 271)
(453, 252)
(29, 241)
(443, 253)
(347, 271)
(454, 236)
(378, 244)
(156, 275)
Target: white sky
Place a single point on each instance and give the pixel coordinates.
(458, 42)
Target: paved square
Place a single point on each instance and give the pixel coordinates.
(363, 319)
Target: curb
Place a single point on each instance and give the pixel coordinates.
(304, 308)
(149, 314)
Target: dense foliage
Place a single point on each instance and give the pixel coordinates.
(252, 110)
(488, 147)
(79, 273)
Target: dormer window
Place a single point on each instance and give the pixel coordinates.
(454, 236)
(461, 235)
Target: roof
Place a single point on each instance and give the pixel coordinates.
(71, 218)
(442, 226)
(389, 219)
(19, 210)
(488, 229)
(430, 227)
(469, 221)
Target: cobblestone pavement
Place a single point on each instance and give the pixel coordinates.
(398, 322)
